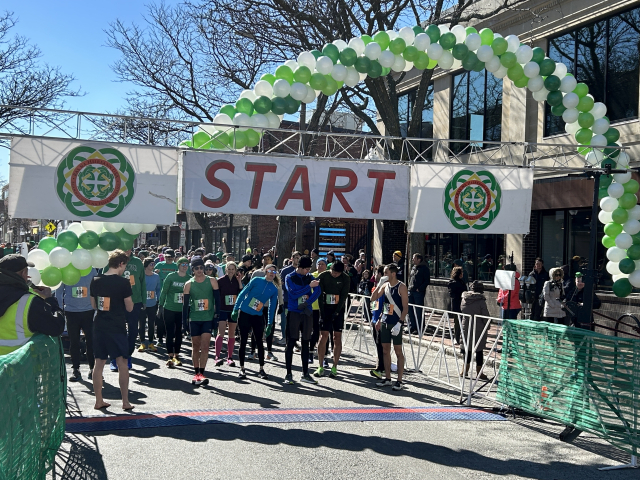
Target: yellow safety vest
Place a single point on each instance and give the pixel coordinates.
(14, 329)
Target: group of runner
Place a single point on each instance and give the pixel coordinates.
(199, 298)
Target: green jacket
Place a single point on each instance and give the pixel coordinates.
(135, 273)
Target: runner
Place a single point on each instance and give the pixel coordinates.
(295, 258)
(164, 268)
(395, 296)
(248, 311)
(230, 288)
(335, 286)
(152, 281)
(111, 296)
(201, 305)
(303, 291)
(170, 307)
(321, 266)
(376, 310)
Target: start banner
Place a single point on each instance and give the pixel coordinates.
(270, 185)
(82, 180)
(470, 199)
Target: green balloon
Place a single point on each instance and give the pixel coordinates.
(499, 46)
(411, 53)
(363, 63)
(470, 61)
(508, 59)
(285, 73)
(86, 271)
(348, 56)
(613, 229)
(547, 67)
(253, 138)
(279, 104)
(268, 77)
(417, 29)
(239, 139)
(558, 110)
(51, 276)
(229, 110)
(459, 51)
(68, 240)
(366, 39)
(421, 62)
(522, 82)
(432, 64)
(201, 140)
(48, 243)
(375, 69)
(447, 41)
(608, 242)
(585, 120)
(602, 192)
(622, 288)
(186, 143)
(632, 186)
(332, 86)
(612, 135)
(386, 70)
(554, 98)
(470, 30)
(70, 275)
(434, 33)
(316, 53)
(581, 90)
(636, 239)
(244, 105)
(538, 55)
(620, 215)
(612, 152)
(478, 67)
(585, 104)
(317, 81)
(262, 105)
(486, 35)
(108, 241)
(219, 141)
(382, 39)
(627, 201)
(627, 265)
(583, 136)
(516, 72)
(331, 51)
(396, 46)
(604, 163)
(606, 180)
(292, 105)
(552, 83)
(88, 240)
(633, 252)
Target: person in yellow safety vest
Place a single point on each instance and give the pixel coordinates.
(23, 310)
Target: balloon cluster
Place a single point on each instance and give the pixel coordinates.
(83, 246)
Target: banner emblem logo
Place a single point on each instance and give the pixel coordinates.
(95, 182)
(472, 199)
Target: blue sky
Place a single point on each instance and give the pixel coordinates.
(70, 34)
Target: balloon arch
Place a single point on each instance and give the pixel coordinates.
(341, 63)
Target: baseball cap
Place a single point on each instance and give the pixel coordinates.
(14, 263)
(331, 253)
(398, 253)
(247, 258)
(196, 262)
(169, 253)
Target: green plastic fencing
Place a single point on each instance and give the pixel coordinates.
(580, 378)
(33, 385)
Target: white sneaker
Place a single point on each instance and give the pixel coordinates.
(384, 383)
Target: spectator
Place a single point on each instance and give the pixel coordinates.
(418, 282)
(398, 260)
(554, 295)
(486, 268)
(541, 276)
(365, 285)
(456, 287)
(509, 300)
(474, 303)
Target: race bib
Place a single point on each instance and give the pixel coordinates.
(178, 297)
(256, 304)
(131, 278)
(202, 305)
(104, 303)
(303, 299)
(151, 294)
(374, 305)
(230, 299)
(79, 292)
(388, 309)
(332, 299)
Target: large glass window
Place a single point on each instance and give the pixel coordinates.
(604, 55)
(476, 253)
(406, 103)
(476, 110)
(552, 244)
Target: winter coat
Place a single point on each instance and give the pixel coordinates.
(503, 297)
(456, 289)
(420, 278)
(474, 303)
(541, 277)
(553, 305)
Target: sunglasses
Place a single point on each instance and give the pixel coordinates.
(271, 271)
(208, 268)
(199, 267)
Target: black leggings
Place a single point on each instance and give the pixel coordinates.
(247, 324)
(75, 322)
(376, 339)
(173, 327)
(265, 320)
(479, 356)
(147, 315)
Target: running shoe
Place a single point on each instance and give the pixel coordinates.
(219, 362)
(325, 363)
(272, 357)
(152, 347)
(376, 373)
(308, 379)
(113, 366)
(282, 342)
(170, 363)
(231, 363)
(76, 377)
(251, 356)
(398, 386)
(141, 348)
(262, 374)
(177, 362)
(311, 358)
(129, 364)
(319, 372)
(242, 375)
(196, 380)
(334, 372)
(384, 383)
(288, 380)
(204, 380)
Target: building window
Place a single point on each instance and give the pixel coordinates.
(476, 110)
(405, 107)
(604, 55)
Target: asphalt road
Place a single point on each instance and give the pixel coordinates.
(520, 448)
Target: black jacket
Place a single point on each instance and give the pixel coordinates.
(41, 317)
(420, 278)
(456, 289)
(541, 277)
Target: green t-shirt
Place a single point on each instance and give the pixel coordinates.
(172, 291)
(134, 272)
(165, 269)
(201, 300)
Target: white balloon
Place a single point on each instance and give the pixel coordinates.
(443, 29)
(605, 217)
(609, 204)
(524, 54)
(473, 42)
(485, 53)
(260, 121)
(594, 157)
(399, 64)
(531, 70)
(568, 84)
(362, 76)
(299, 90)
(112, 227)
(339, 72)
(623, 159)
(149, 227)
(307, 59)
(435, 51)
(409, 65)
(570, 100)
(357, 44)
(422, 42)
(599, 110)
(274, 120)
(618, 277)
(615, 190)
(456, 64)
(541, 95)
(324, 65)
(353, 77)
(407, 34)
(221, 120)
(60, 257)
(208, 128)
(622, 178)
(264, 88)
(535, 84)
(460, 32)
(77, 228)
(572, 128)
(570, 115)
(34, 275)
(446, 60)
(282, 88)
(600, 126)
(292, 64)
(92, 226)
(341, 44)
(514, 43)
(243, 120)
(613, 268)
(634, 278)
(616, 254)
(631, 227)
(81, 259)
(493, 65)
(372, 50)
(39, 258)
(501, 72)
(560, 71)
(99, 258)
(392, 34)
(598, 140)
(310, 97)
(624, 241)
(132, 228)
(634, 213)
(386, 59)
(250, 94)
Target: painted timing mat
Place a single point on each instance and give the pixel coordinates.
(296, 415)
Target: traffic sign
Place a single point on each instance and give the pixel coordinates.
(50, 227)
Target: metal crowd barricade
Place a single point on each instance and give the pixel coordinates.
(361, 319)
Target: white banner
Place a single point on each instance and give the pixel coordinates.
(470, 199)
(270, 185)
(83, 180)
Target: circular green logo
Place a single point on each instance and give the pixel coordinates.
(472, 199)
(95, 182)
